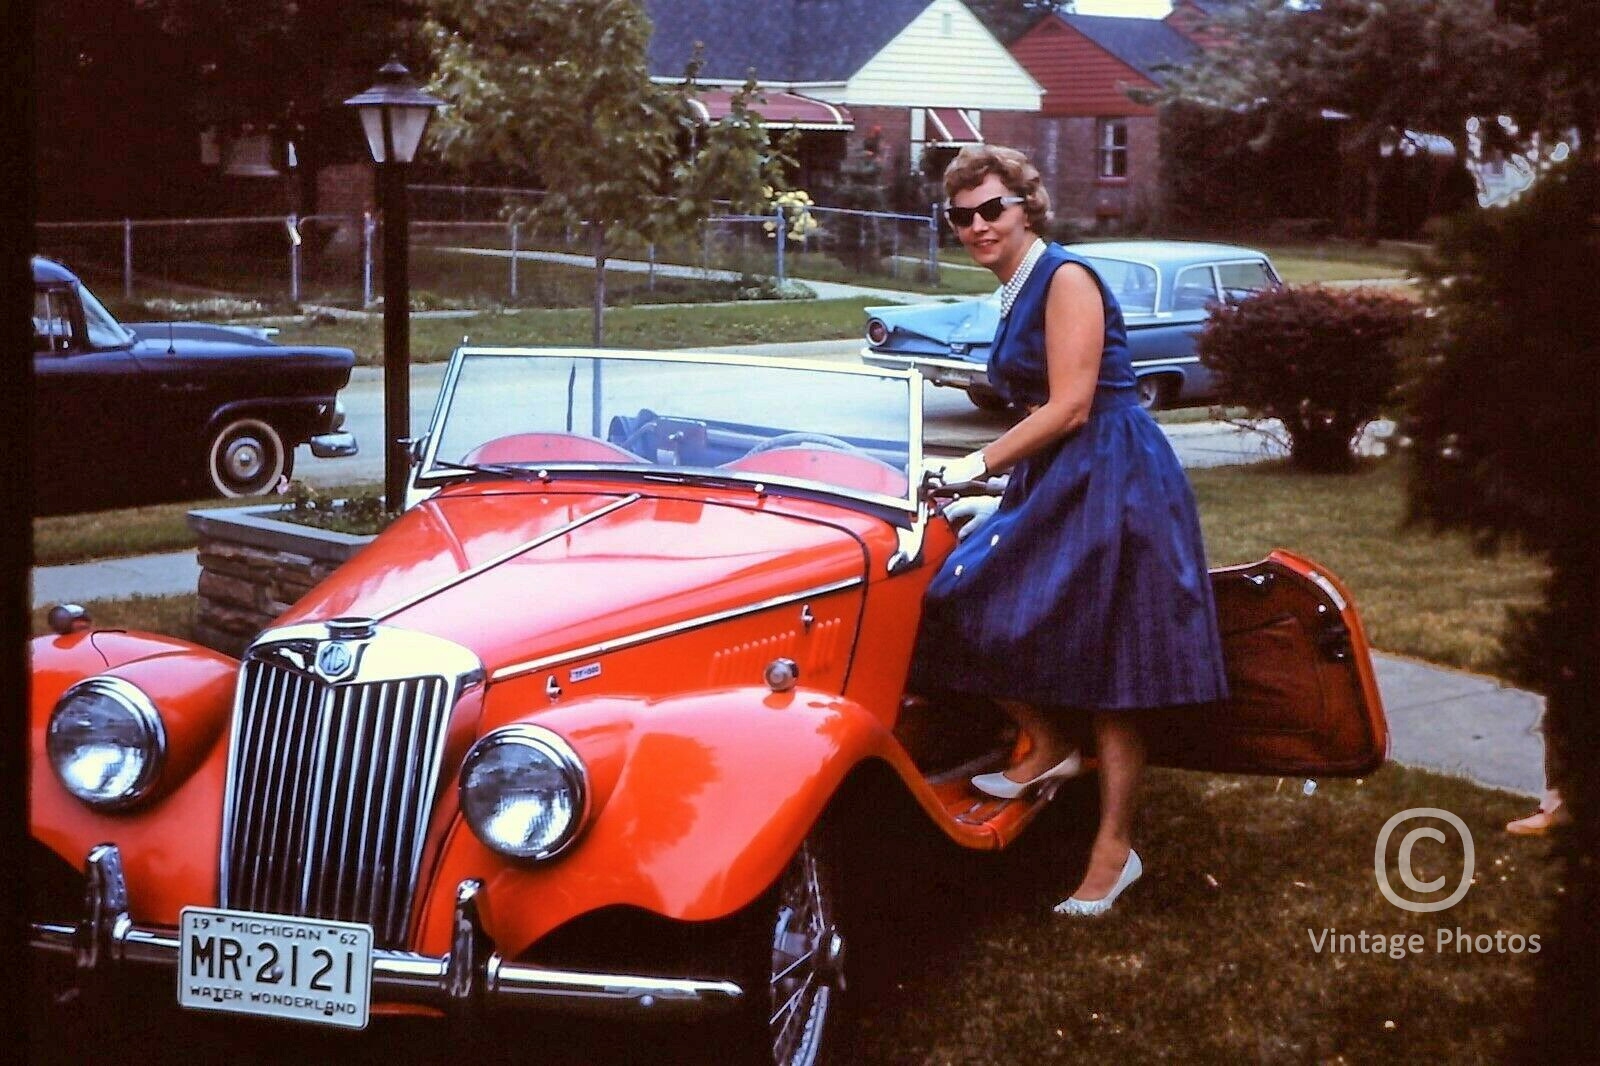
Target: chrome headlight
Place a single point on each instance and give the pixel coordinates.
(105, 742)
(524, 792)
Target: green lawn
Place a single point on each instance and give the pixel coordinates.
(173, 616)
(61, 539)
(1421, 595)
(1209, 957)
(752, 322)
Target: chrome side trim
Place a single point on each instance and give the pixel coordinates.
(544, 538)
(1173, 361)
(617, 643)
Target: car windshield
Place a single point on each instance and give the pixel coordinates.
(830, 428)
(103, 330)
(1133, 284)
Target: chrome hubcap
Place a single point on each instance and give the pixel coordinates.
(243, 459)
(807, 964)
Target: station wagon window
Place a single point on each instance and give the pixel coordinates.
(102, 329)
(1133, 284)
(1241, 279)
(1111, 148)
(1196, 287)
(52, 326)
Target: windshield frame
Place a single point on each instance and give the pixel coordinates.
(430, 471)
(92, 309)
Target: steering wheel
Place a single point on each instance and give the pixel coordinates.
(796, 440)
(647, 420)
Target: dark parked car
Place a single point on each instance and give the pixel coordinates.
(1166, 289)
(134, 413)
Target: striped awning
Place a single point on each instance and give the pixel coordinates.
(778, 110)
(949, 126)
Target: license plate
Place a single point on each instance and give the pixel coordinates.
(296, 969)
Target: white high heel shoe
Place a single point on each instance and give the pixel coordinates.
(1000, 786)
(1073, 907)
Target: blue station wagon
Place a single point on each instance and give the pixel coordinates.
(1166, 289)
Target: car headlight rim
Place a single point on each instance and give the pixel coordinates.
(536, 742)
(150, 730)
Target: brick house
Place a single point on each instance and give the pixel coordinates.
(921, 76)
(1192, 18)
(1099, 150)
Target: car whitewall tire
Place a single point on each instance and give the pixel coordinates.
(246, 457)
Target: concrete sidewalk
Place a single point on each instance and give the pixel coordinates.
(1441, 719)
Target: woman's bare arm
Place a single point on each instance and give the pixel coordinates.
(1074, 332)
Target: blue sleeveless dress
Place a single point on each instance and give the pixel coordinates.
(1088, 588)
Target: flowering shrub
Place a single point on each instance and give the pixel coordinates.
(1324, 361)
(360, 513)
(796, 207)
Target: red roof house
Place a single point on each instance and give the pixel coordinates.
(1097, 148)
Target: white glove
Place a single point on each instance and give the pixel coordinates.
(969, 512)
(969, 467)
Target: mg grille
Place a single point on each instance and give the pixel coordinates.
(331, 790)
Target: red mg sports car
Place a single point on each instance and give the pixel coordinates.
(638, 639)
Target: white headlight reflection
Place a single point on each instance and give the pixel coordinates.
(105, 742)
(524, 792)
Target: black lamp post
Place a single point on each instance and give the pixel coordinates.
(394, 112)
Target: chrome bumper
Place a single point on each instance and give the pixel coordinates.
(954, 372)
(333, 445)
(469, 977)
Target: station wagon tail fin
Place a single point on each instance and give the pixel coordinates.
(1303, 700)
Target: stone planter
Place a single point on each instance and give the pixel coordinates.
(254, 566)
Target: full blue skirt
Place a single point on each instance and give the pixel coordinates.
(1088, 588)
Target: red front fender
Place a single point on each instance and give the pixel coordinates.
(167, 867)
(699, 801)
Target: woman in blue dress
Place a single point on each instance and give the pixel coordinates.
(1087, 590)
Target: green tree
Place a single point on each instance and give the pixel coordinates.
(1376, 67)
(560, 89)
(280, 67)
(1010, 19)
(1504, 410)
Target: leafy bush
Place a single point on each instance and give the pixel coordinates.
(766, 287)
(1324, 361)
(360, 513)
(857, 239)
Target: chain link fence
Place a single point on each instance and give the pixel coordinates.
(468, 248)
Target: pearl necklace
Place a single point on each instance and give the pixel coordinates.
(1013, 288)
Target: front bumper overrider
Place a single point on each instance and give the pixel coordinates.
(470, 976)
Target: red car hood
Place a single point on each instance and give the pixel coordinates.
(520, 574)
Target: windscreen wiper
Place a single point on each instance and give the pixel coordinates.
(508, 470)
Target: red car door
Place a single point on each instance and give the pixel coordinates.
(1302, 697)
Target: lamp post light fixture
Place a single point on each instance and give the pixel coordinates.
(394, 112)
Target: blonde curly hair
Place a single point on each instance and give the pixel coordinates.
(977, 161)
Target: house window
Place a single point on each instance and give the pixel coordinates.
(1111, 148)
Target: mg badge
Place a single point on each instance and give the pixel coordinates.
(334, 661)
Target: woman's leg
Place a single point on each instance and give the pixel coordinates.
(1121, 749)
(1051, 742)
